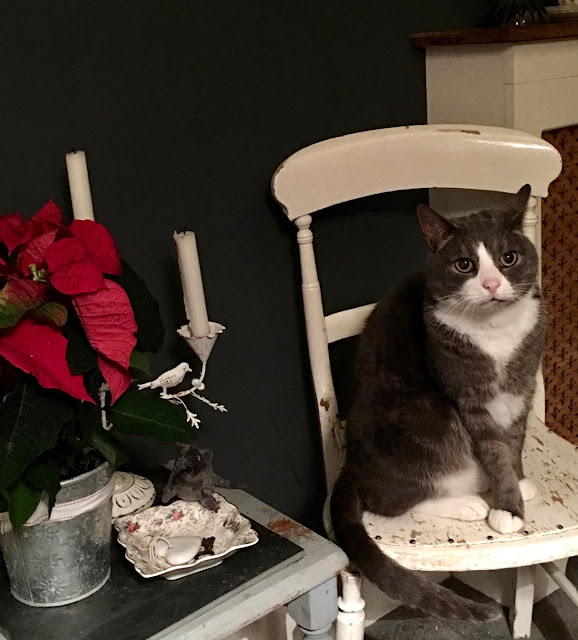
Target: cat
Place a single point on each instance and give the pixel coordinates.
(444, 377)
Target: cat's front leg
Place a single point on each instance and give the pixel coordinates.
(517, 436)
(494, 455)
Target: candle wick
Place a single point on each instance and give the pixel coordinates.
(73, 150)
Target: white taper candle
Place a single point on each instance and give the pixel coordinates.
(192, 281)
(79, 186)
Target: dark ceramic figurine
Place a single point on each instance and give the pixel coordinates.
(192, 478)
(519, 12)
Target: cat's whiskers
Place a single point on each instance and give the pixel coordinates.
(455, 335)
(452, 296)
(457, 301)
(523, 288)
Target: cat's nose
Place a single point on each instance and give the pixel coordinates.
(491, 285)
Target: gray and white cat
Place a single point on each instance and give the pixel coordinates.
(444, 378)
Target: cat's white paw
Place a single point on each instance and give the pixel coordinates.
(528, 489)
(471, 508)
(504, 521)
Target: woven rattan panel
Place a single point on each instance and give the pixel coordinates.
(560, 284)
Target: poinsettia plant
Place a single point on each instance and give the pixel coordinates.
(77, 325)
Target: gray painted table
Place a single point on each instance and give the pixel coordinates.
(304, 578)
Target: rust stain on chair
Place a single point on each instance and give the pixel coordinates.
(556, 497)
(288, 527)
(474, 132)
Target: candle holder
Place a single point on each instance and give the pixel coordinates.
(199, 333)
(202, 347)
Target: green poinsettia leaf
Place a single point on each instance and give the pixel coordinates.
(140, 362)
(146, 415)
(44, 474)
(151, 332)
(23, 498)
(95, 436)
(81, 357)
(53, 312)
(18, 297)
(30, 422)
(110, 448)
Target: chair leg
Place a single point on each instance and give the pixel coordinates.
(522, 602)
(351, 616)
(562, 581)
(315, 611)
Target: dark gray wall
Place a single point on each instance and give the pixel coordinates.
(185, 109)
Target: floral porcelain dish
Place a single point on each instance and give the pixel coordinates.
(213, 535)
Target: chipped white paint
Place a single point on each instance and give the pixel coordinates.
(523, 602)
(326, 400)
(505, 408)
(526, 86)
(551, 520)
(379, 161)
(351, 616)
(420, 156)
(458, 157)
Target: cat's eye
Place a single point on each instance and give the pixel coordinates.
(508, 259)
(464, 265)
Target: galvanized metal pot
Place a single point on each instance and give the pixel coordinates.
(56, 563)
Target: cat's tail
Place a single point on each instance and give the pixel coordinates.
(399, 583)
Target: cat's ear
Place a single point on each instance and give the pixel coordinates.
(436, 229)
(517, 206)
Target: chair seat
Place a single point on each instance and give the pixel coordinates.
(429, 543)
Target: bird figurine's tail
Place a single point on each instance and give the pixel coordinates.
(146, 385)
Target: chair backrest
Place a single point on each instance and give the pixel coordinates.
(362, 164)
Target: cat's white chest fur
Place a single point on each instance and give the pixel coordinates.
(505, 408)
(497, 335)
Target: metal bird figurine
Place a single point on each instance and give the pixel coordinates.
(168, 379)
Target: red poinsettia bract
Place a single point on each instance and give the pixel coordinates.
(49, 270)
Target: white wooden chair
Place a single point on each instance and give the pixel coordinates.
(481, 158)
